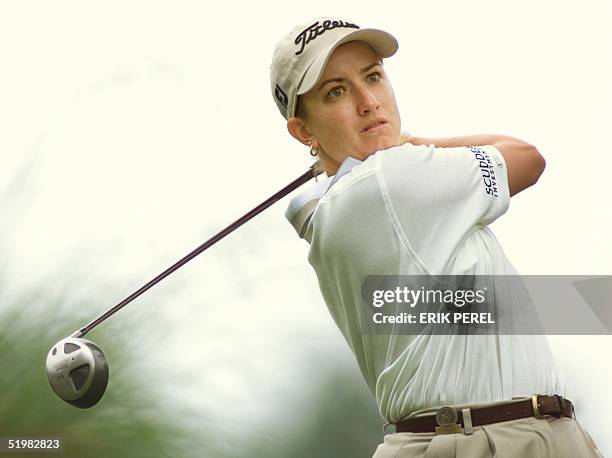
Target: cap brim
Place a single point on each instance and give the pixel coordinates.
(382, 42)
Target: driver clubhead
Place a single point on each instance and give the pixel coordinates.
(77, 371)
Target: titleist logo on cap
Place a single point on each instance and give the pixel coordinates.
(313, 31)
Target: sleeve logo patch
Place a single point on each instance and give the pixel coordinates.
(486, 167)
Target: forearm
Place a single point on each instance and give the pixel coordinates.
(468, 140)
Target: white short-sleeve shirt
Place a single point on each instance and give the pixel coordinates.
(419, 210)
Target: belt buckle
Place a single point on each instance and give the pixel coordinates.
(447, 417)
(536, 406)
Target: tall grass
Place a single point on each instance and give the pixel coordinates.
(131, 420)
(328, 411)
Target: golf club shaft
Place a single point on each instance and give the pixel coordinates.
(312, 172)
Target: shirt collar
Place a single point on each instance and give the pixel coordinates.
(347, 165)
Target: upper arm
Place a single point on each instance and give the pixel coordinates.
(436, 196)
(524, 164)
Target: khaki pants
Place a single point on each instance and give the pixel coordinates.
(547, 437)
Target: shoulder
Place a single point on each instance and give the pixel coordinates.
(302, 205)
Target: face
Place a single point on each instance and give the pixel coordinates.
(351, 111)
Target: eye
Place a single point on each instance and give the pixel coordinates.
(374, 77)
(336, 92)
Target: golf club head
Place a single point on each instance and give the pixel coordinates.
(77, 371)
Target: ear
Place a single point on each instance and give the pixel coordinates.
(298, 130)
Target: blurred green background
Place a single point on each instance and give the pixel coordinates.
(331, 412)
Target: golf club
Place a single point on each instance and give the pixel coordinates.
(77, 368)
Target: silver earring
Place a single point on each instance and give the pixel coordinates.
(313, 151)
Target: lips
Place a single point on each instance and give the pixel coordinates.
(373, 125)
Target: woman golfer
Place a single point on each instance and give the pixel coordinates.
(396, 204)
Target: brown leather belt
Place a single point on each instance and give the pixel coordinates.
(450, 420)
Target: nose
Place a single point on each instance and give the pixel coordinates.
(367, 101)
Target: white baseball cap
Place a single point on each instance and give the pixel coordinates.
(300, 57)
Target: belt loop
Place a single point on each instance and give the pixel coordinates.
(560, 401)
(467, 422)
